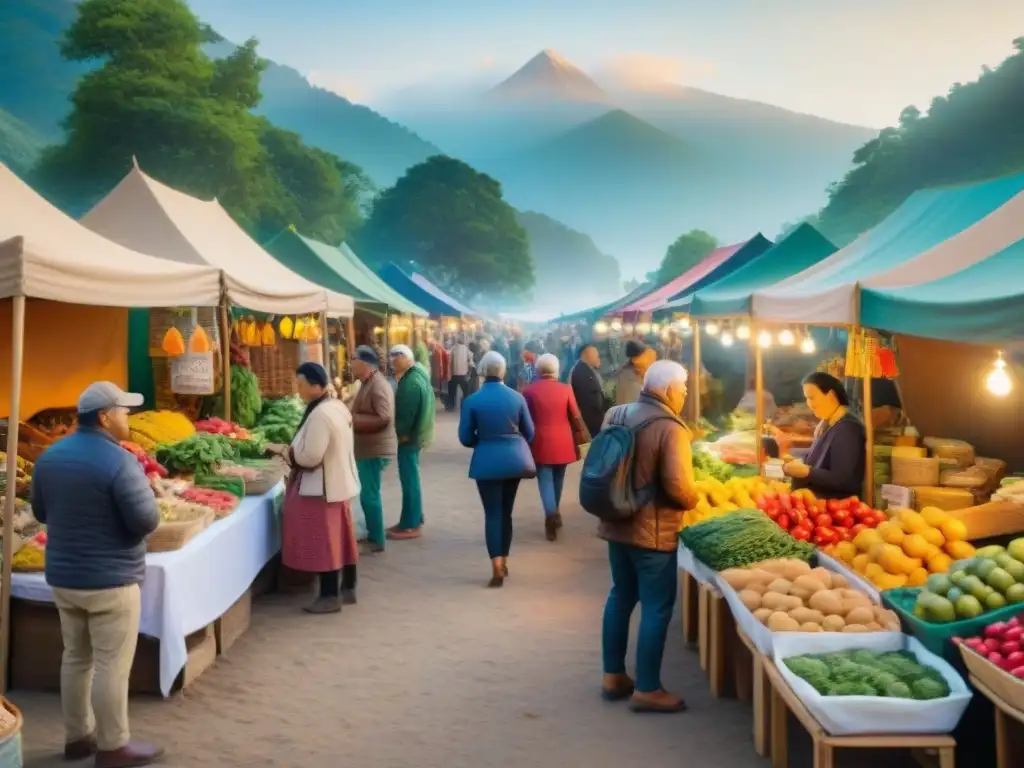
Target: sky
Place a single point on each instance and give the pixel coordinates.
(855, 61)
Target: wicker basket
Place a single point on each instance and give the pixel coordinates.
(910, 471)
(171, 536)
(161, 320)
(275, 367)
(10, 735)
(268, 479)
(1004, 685)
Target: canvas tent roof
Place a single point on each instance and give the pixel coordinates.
(337, 268)
(911, 246)
(730, 296)
(423, 293)
(142, 213)
(45, 254)
(716, 265)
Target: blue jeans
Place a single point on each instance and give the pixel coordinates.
(550, 478)
(412, 492)
(499, 499)
(647, 577)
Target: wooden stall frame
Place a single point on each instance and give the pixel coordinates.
(696, 375)
(1005, 715)
(225, 343)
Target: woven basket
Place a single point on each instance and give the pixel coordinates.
(166, 399)
(13, 728)
(268, 479)
(171, 536)
(275, 367)
(910, 471)
(161, 320)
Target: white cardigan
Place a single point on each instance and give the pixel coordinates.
(325, 444)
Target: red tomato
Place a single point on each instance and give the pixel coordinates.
(772, 512)
(785, 501)
(762, 502)
(845, 534)
(831, 505)
(798, 515)
(823, 520)
(806, 525)
(863, 511)
(857, 529)
(846, 523)
(783, 521)
(801, 534)
(825, 536)
(844, 504)
(841, 514)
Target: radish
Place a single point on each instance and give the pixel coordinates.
(975, 643)
(991, 644)
(995, 630)
(996, 658)
(1009, 647)
(1015, 659)
(1013, 633)
(1018, 672)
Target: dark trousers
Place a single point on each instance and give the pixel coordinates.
(648, 577)
(499, 499)
(329, 581)
(454, 385)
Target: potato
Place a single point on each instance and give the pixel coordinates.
(810, 626)
(761, 575)
(772, 566)
(807, 615)
(833, 623)
(762, 614)
(736, 578)
(809, 583)
(751, 599)
(756, 586)
(824, 575)
(827, 602)
(794, 569)
(855, 628)
(778, 602)
(781, 622)
(838, 580)
(874, 626)
(860, 615)
(782, 586)
(853, 594)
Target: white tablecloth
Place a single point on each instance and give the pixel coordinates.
(189, 588)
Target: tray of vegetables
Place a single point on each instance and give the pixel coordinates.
(223, 503)
(150, 465)
(198, 454)
(741, 538)
(872, 683)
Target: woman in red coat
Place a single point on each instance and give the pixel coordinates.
(559, 429)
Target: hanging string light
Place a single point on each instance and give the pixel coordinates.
(764, 339)
(600, 327)
(627, 328)
(683, 322)
(655, 327)
(786, 338)
(743, 331)
(807, 345)
(998, 380)
(727, 338)
(712, 328)
(643, 328)
(616, 325)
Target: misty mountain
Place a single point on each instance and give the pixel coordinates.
(547, 77)
(38, 92)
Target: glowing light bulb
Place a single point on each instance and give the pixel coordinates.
(712, 328)
(600, 326)
(616, 326)
(643, 328)
(743, 332)
(786, 338)
(807, 345)
(998, 381)
(727, 339)
(764, 339)
(655, 328)
(683, 323)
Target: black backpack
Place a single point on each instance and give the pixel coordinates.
(607, 490)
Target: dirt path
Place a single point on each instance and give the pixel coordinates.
(431, 669)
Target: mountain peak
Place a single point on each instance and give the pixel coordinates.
(548, 76)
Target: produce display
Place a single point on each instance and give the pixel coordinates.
(992, 579)
(246, 402)
(149, 463)
(176, 510)
(706, 465)
(905, 549)
(151, 428)
(25, 523)
(222, 482)
(280, 419)
(788, 595)
(32, 554)
(216, 426)
(717, 497)
(821, 522)
(1002, 643)
(221, 502)
(863, 672)
(740, 538)
(198, 454)
(23, 482)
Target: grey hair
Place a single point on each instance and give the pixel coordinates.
(402, 350)
(492, 365)
(547, 363)
(663, 375)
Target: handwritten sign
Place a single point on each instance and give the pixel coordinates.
(193, 374)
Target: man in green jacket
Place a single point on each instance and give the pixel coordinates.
(414, 423)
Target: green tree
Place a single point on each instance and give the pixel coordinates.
(186, 118)
(453, 223)
(687, 250)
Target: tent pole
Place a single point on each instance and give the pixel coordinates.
(325, 343)
(225, 345)
(866, 399)
(17, 356)
(696, 375)
(350, 339)
(759, 395)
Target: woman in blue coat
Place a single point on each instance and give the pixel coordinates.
(496, 424)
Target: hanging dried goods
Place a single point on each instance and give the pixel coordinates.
(173, 342)
(199, 342)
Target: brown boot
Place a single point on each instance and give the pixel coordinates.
(504, 567)
(131, 755)
(324, 604)
(550, 528)
(80, 748)
(656, 701)
(497, 573)
(616, 687)
(558, 519)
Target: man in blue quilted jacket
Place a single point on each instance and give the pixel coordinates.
(98, 507)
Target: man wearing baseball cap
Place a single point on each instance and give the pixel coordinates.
(98, 508)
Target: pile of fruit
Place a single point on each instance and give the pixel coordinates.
(717, 497)
(992, 579)
(905, 549)
(823, 523)
(741, 538)
(1002, 643)
(23, 483)
(151, 428)
(149, 463)
(32, 554)
(891, 674)
(789, 596)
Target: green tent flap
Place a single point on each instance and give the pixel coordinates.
(983, 303)
(140, 366)
(337, 269)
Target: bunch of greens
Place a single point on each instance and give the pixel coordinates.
(246, 401)
(198, 454)
(741, 538)
(253, 447)
(706, 465)
(279, 419)
(740, 421)
(892, 674)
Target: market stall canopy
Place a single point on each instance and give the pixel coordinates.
(417, 289)
(730, 296)
(902, 250)
(604, 309)
(144, 214)
(716, 265)
(45, 254)
(339, 269)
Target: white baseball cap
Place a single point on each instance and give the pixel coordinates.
(101, 395)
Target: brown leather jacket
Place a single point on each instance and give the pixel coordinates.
(373, 419)
(662, 456)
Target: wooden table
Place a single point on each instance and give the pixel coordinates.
(784, 701)
(688, 594)
(1008, 752)
(760, 695)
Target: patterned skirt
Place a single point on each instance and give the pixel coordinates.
(317, 536)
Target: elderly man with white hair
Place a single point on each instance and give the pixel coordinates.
(642, 549)
(558, 431)
(414, 426)
(496, 424)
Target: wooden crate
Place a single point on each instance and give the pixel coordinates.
(760, 694)
(1009, 728)
(233, 624)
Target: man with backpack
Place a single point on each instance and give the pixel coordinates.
(638, 480)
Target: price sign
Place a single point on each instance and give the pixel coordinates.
(897, 496)
(193, 374)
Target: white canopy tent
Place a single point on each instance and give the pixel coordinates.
(826, 294)
(142, 213)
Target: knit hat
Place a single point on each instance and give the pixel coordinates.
(635, 348)
(367, 355)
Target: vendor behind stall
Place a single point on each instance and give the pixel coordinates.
(834, 466)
